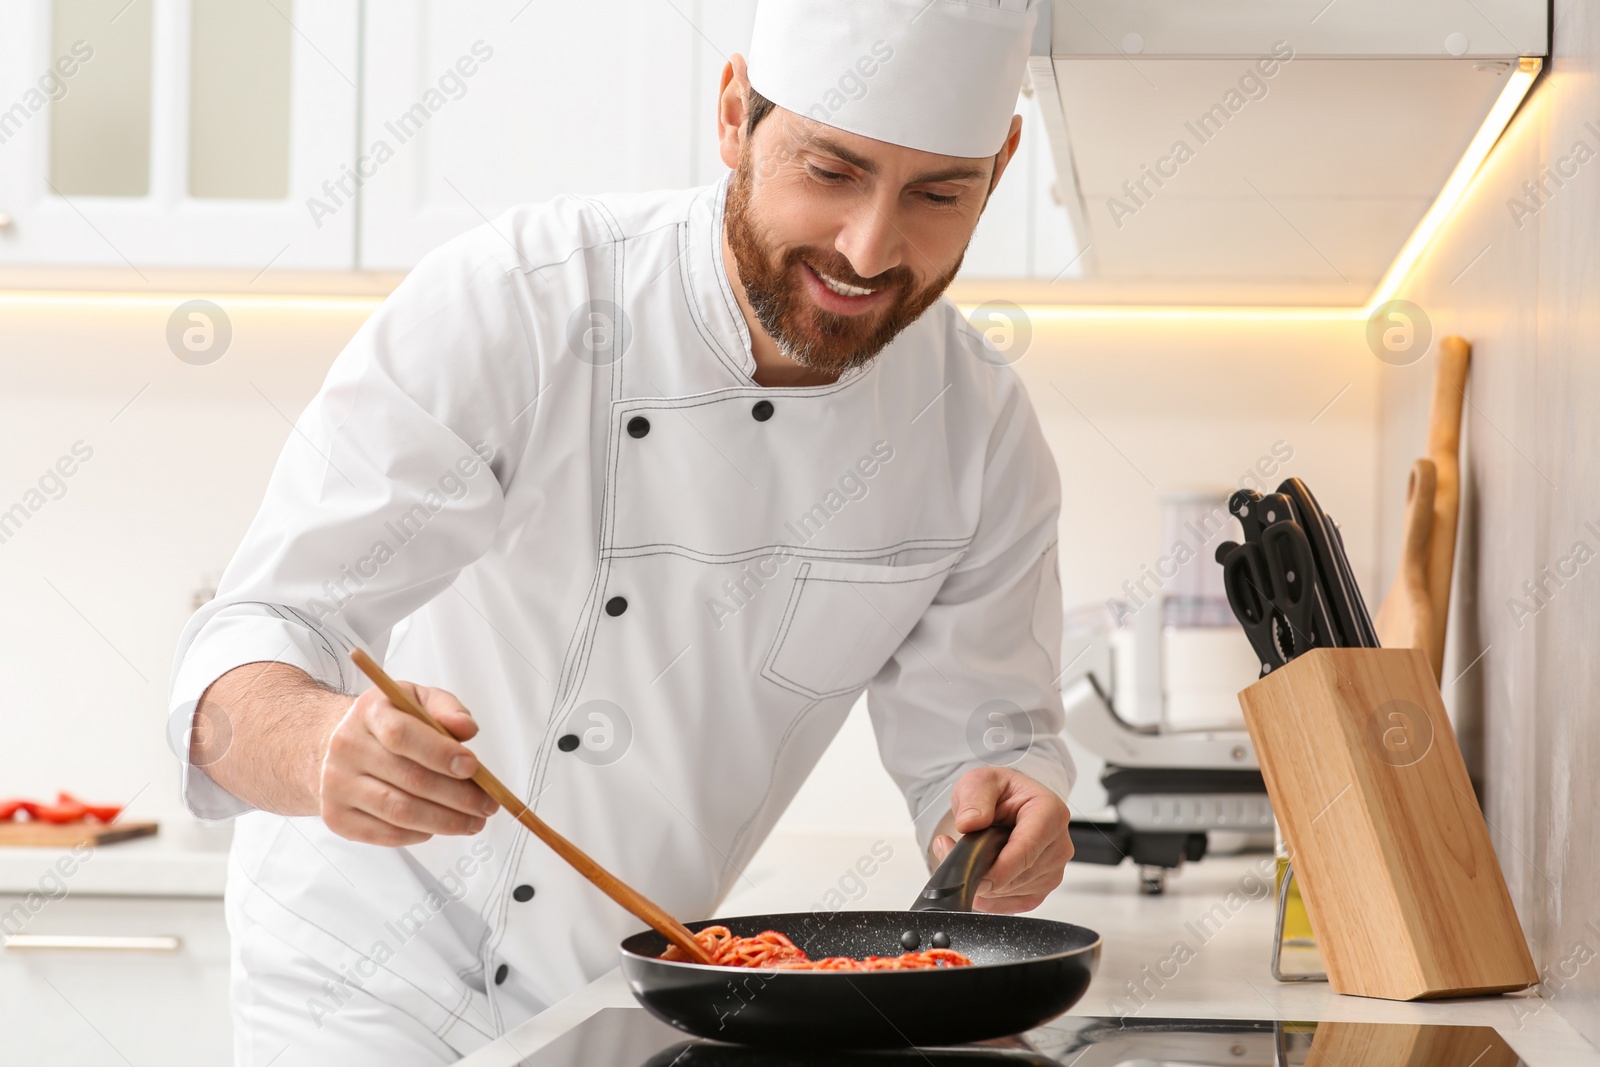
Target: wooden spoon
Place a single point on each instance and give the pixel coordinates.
(1405, 620)
(637, 903)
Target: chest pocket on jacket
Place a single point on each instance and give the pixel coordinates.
(844, 620)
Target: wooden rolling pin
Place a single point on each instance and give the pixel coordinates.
(1444, 449)
(612, 886)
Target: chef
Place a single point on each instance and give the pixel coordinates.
(641, 493)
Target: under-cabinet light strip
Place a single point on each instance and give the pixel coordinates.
(1449, 198)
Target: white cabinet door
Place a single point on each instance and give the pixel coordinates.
(136, 998)
(471, 109)
(606, 96)
(722, 27)
(145, 67)
(1024, 232)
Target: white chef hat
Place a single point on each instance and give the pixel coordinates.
(938, 75)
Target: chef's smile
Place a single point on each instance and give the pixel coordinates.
(841, 298)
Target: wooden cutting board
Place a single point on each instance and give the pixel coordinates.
(1405, 619)
(40, 834)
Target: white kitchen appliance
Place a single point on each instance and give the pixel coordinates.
(1151, 691)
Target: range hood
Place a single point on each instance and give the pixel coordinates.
(1266, 152)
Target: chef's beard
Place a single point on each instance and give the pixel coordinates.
(810, 336)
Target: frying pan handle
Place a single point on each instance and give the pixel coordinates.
(955, 884)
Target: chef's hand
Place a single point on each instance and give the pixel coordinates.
(1030, 865)
(390, 779)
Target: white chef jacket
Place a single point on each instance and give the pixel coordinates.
(596, 529)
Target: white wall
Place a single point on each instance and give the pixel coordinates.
(1521, 286)
(1134, 408)
(99, 583)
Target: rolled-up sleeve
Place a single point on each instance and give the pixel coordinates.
(391, 482)
(974, 683)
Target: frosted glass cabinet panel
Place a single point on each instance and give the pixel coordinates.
(176, 133)
(239, 85)
(100, 121)
(138, 134)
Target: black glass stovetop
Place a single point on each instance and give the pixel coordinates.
(631, 1037)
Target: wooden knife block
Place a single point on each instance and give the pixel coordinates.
(1389, 847)
(1409, 1045)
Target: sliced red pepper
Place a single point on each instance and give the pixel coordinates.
(98, 812)
(65, 810)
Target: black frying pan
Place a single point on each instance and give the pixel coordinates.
(1025, 972)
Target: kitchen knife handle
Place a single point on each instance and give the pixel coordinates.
(954, 884)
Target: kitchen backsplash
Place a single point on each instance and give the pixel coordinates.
(169, 456)
(1515, 273)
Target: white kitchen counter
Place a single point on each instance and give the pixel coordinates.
(182, 860)
(137, 1003)
(1225, 974)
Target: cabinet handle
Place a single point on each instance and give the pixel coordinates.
(42, 942)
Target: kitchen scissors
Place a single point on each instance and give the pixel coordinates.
(1271, 584)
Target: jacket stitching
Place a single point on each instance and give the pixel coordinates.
(688, 291)
(718, 222)
(772, 772)
(808, 555)
(258, 887)
(770, 669)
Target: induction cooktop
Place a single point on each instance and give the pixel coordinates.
(631, 1037)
